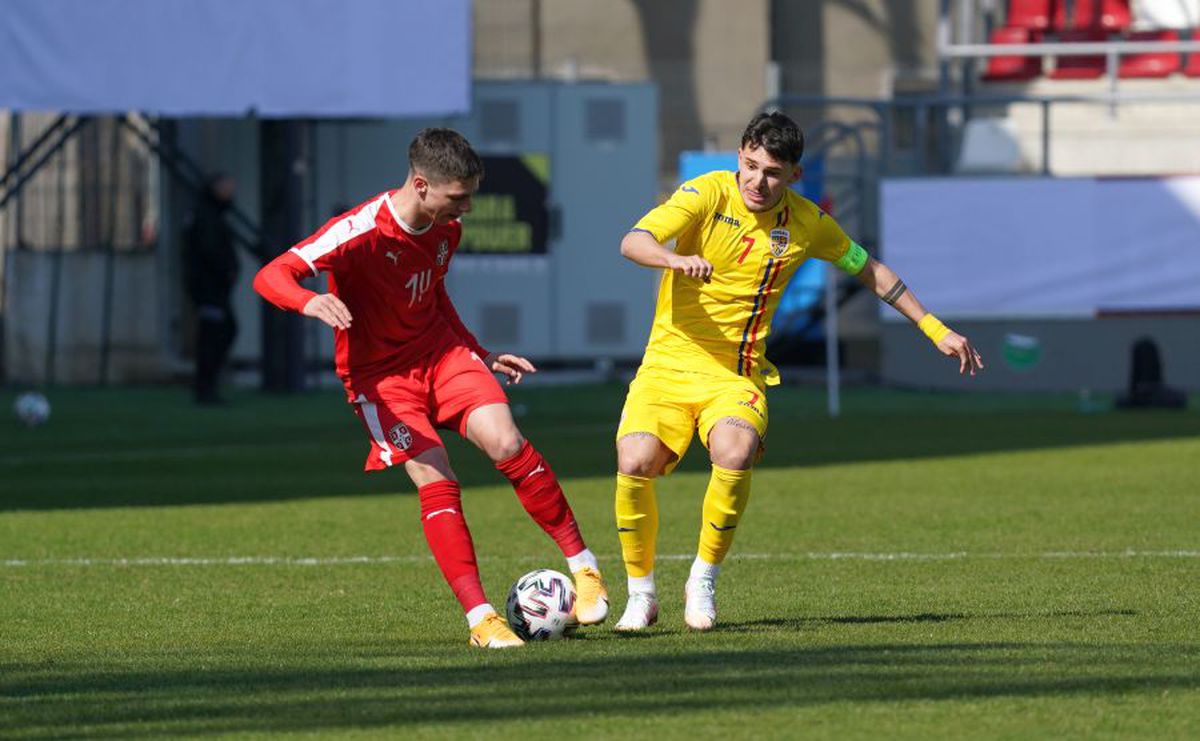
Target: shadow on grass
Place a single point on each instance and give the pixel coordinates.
(792, 624)
(399, 690)
(149, 447)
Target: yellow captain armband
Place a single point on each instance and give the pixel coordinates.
(933, 328)
(854, 260)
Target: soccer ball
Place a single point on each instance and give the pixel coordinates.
(32, 408)
(541, 606)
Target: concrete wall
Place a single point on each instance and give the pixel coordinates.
(1137, 138)
(708, 57)
(136, 351)
(1074, 354)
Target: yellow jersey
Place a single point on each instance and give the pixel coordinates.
(722, 326)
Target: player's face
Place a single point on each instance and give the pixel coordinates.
(446, 201)
(762, 179)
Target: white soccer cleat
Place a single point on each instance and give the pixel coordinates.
(640, 613)
(700, 604)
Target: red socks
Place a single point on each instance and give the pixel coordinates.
(450, 540)
(541, 496)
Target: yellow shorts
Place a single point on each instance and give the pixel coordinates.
(672, 404)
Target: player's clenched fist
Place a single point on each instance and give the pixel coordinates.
(693, 266)
(329, 309)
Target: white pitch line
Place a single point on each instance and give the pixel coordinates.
(355, 560)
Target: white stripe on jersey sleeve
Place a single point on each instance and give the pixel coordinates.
(340, 232)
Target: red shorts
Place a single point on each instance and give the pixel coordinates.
(402, 408)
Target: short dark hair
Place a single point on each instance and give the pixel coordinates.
(776, 133)
(443, 155)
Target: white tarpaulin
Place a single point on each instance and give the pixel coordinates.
(279, 58)
(1034, 247)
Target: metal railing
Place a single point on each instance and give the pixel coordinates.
(1112, 51)
(934, 113)
(957, 37)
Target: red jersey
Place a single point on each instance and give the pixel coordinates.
(390, 276)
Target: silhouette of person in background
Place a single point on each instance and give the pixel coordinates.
(210, 269)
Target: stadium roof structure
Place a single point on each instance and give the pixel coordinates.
(273, 58)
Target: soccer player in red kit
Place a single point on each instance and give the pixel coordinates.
(410, 366)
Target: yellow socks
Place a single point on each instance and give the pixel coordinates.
(724, 502)
(637, 518)
(637, 523)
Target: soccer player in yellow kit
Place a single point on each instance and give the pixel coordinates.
(739, 237)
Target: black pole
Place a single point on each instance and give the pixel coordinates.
(110, 250)
(56, 270)
(14, 145)
(281, 159)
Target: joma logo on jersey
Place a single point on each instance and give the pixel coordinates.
(779, 241)
(750, 404)
(400, 436)
(727, 220)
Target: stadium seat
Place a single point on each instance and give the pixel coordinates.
(1109, 15)
(1151, 64)
(1192, 69)
(1012, 68)
(1079, 67)
(1033, 15)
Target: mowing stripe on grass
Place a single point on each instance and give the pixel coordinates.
(204, 451)
(352, 560)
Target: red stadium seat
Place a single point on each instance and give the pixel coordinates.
(1012, 68)
(1033, 15)
(1151, 64)
(1079, 67)
(1192, 69)
(1109, 15)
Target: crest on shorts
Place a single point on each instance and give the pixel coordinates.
(443, 252)
(400, 436)
(779, 241)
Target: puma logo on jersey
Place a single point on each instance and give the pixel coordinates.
(393, 256)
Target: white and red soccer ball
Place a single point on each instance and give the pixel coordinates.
(541, 606)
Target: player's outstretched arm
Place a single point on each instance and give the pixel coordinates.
(513, 367)
(641, 247)
(279, 283)
(884, 282)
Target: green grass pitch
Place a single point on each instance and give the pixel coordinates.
(930, 565)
